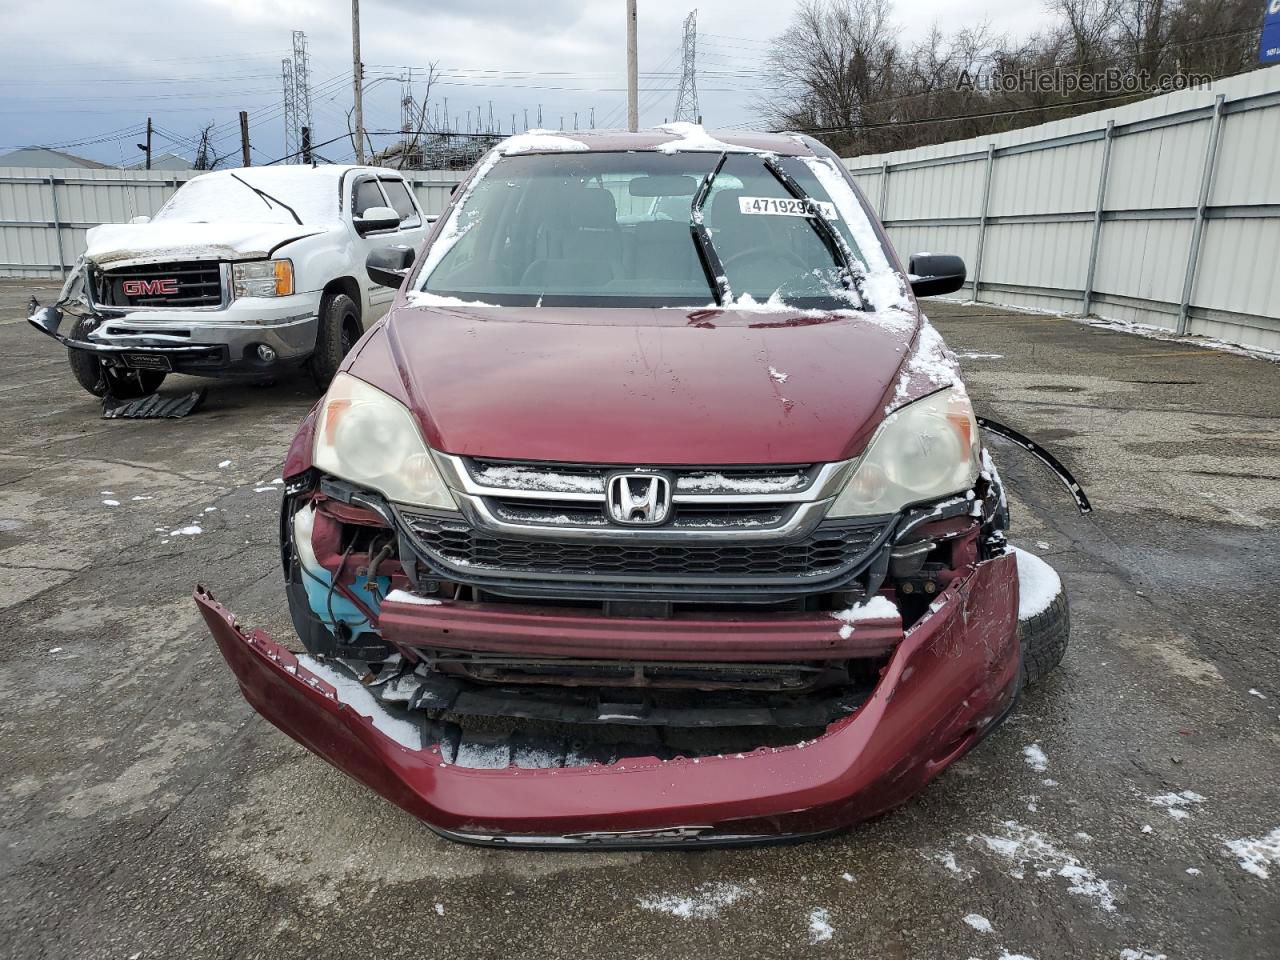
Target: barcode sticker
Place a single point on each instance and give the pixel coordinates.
(785, 207)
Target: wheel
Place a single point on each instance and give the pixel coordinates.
(1044, 617)
(338, 333)
(96, 378)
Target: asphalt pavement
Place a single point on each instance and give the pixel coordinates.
(1129, 810)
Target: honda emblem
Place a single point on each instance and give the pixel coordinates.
(639, 499)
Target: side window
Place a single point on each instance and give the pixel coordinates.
(398, 194)
(367, 195)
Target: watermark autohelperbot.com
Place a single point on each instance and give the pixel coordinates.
(1057, 80)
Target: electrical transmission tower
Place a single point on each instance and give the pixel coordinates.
(687, 97)
(296, 74)
(292, 133)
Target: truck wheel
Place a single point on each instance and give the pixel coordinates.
(99, 381)
(1044, 624)
(338, 333)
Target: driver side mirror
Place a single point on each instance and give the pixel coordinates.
(933, 275)
(376, 219)
(389, 267)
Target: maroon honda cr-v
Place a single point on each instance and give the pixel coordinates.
(653, 513)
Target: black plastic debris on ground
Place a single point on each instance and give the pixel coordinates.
(154, 407)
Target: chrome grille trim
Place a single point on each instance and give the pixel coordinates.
(799, 510)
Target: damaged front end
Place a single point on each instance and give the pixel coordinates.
(509, 684)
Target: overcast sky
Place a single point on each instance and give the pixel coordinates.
(92, 70)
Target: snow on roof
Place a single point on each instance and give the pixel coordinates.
(540, 141)
(693, 138)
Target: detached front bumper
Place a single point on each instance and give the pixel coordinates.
(949, 680)
(202, 343)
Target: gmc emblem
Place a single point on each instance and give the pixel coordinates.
(149, 288)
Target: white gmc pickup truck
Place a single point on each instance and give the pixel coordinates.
(241, 273)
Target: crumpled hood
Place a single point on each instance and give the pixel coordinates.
(641, 387)
(123, 244)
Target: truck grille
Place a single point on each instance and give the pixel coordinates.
(197, 283)
(835, 549)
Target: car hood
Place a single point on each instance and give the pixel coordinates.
(125, 244)
(640, 387)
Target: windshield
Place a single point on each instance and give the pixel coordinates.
(614, 229)
(219, 196)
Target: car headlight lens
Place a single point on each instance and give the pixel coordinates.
(924, 451)
(262, 278)
(371, 439)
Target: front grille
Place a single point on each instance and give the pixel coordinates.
(834, 549)
(196, 283)
(522, 493)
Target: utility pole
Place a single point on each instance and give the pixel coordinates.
(633, 70)
(146, 147)
(247, 161)
(357, 69)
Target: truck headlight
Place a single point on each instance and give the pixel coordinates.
(371, 439)
(924, 451)
(262, 278)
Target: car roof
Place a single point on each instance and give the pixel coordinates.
(671, 138)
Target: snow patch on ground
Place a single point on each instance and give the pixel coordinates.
(1025, 848)
(1257, 693)
(820, 929)
(1130, 954)
(540, 141)
(1177, 804)
(224, 464)
(947, 859)
(979, 923)
(402, 596)
(187, 531)
(1038, 584)
(705, 903)
(1257, 853)
(1035, 758)
(111, 503)
(353, 694)
(877, 608)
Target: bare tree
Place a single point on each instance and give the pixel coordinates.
(207, 155)
(836, 58)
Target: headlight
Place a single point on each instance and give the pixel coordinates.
(924, 451)
(262, 278)
(371, 439)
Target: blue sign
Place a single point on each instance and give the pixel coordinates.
(1270, 52)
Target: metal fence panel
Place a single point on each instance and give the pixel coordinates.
(1164, 212)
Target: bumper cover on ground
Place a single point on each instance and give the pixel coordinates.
(951, 678)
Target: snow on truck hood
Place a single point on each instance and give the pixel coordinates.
(121, 244)
(644, 387)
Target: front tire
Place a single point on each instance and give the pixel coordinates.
(100, 380)
(1044, 634)
(338, 333)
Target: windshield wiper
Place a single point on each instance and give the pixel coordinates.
(711, 262)
(268, 199)
(850, 275)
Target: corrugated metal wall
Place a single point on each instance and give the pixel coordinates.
(1113, 197)
(44, 214)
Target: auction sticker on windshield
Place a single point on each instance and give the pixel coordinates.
(788, 207)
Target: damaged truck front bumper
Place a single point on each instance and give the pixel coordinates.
(249, 338)
(945, 683)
